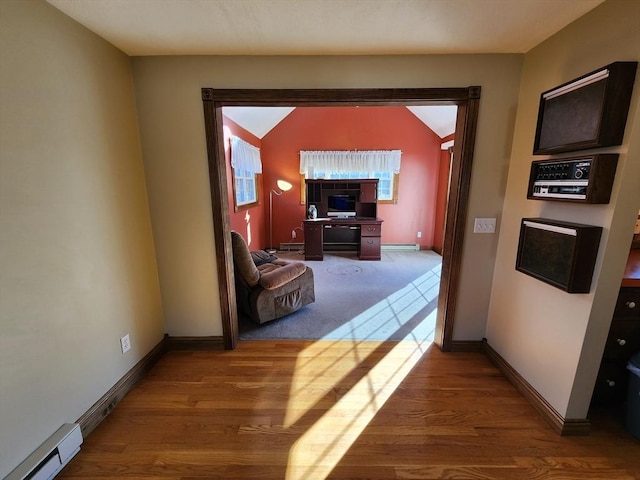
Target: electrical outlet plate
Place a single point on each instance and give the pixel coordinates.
(484, 225)
(125, 343)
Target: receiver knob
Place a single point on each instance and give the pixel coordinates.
(579, 173)
(611, 383)
(621, 341)
(631, 304)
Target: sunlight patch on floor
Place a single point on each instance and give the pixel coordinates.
(391, 313)
(399, 310)
(322, 446)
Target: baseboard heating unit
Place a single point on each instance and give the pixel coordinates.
(50, 457)
(400, 246)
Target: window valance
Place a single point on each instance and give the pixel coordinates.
(349, 161)
(245, 156)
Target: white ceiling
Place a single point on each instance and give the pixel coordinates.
(260, 120)
(325, 27)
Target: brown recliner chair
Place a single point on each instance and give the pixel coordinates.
(267, 287)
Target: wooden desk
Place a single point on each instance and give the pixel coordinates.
(364, 233)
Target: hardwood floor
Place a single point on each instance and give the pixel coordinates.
(340, 410)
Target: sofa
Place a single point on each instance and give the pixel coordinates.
(267, 287)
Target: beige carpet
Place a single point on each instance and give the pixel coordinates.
(362, 300)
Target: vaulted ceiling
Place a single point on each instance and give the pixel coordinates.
(260, 120)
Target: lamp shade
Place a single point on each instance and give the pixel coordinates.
(284, 186)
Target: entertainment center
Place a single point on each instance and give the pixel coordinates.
(346, 218)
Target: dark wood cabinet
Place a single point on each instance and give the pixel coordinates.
(363, 192)
(362, 234)
(369, 248)
(370, 234)
(313, 240)
(358, 229)
(369, 191)
(623, 341)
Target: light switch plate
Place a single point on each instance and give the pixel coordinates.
(484, 225)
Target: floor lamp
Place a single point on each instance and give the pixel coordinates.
(284, 187)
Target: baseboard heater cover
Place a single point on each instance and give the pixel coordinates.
(385, 246)
(291, 246)
(400, 246)
(50, 457)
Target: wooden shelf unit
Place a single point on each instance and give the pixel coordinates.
(362, 232)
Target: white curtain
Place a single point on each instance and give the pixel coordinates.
(245, 156)
(349, 161)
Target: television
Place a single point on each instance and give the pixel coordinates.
(341, 205)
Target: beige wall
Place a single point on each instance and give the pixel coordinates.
(77, 258)
(173, 140)
(554, 339)
(77, 254)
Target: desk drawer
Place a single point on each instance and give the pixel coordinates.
(623, 340)
(628, 304)
(369, 248)
(611, 383)
(341, 234)
(371, 230)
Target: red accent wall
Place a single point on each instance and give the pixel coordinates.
(357, 128)
(249, 222)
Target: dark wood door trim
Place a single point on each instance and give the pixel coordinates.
(467, 100)
(456, 215)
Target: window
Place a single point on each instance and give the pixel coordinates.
(383, 165)
(246, 164)
(244, 185)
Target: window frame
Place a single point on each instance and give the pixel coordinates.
(239, 207)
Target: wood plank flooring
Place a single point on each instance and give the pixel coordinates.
(340, 410)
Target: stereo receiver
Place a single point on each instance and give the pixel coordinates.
(586, 179)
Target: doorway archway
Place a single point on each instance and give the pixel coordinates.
(466, 99)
